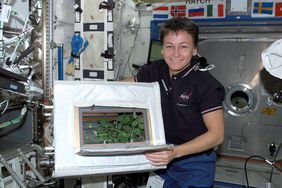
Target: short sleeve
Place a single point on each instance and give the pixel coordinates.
(149, 72)
(212, 96)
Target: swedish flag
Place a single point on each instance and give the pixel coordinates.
(263, 8)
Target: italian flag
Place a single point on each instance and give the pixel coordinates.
(215, 10)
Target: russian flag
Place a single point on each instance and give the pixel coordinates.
(161, 12)
(178, 10)
(195, 12)
(263, 8)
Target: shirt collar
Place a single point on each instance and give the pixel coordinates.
(186, 71)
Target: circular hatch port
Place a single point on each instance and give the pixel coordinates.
(240, 99)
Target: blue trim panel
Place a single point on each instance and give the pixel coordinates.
(228, 21)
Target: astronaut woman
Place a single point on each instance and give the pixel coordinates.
(191, 102)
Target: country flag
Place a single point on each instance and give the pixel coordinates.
(215, 12)
(278, 9)
(210, 11)
(161, 12)
(196, 12)
(178, 10)
(263, 8)
(220, 10)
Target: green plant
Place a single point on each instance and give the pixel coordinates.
(125, 128)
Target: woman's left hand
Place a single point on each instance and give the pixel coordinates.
(158, 158)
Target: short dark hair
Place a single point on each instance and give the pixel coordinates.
(180, 24)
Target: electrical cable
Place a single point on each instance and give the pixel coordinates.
(13, 108)
(262, 158)
(131, 49)
(274, 160)
(24, 54)
(245, 167)
(25, 32)
(16, 120)
(6, 106)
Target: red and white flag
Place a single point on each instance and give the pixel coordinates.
(160, 11)
(178, 10)
(278, 9)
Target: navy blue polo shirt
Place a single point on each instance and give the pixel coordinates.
(184, 98)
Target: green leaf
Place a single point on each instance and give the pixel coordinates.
(137, 131)
(124, 139)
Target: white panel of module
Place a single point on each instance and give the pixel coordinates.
(93, 26)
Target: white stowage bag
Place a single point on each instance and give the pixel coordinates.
(71, 94)
(272, 59)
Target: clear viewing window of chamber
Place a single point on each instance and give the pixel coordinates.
(101, 125)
